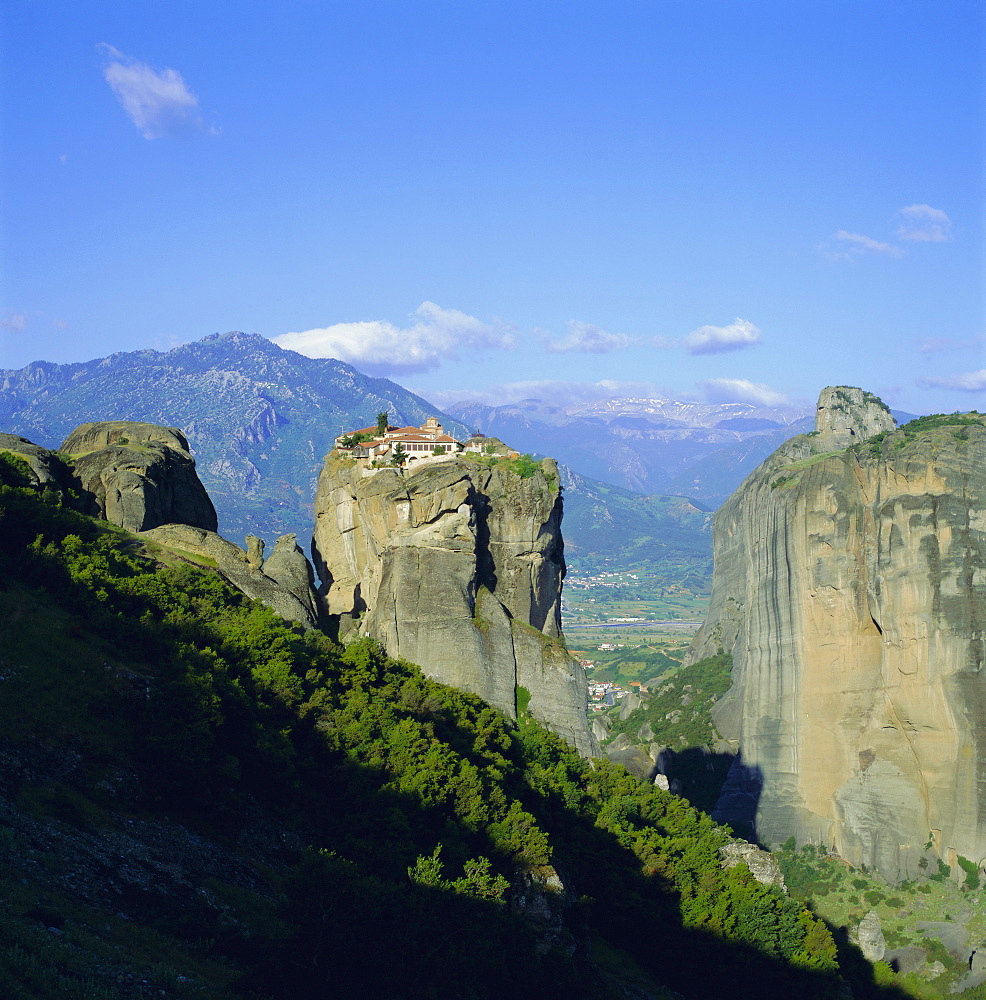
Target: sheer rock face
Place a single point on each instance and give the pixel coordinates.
(457, 568)
(138, 475)
(850, 588)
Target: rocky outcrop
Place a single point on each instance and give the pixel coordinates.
(846, 415)
(288, 567)
(540, 898)
(869, 937)
(283, 582)
(850, 589)
(458, 568)
(44, 468)
(142, 477)
(762, 864)
(138, 475)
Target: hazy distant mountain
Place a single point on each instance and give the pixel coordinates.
(259, 418)
(701, 450)
(607, 527)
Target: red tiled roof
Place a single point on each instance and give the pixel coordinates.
(408, 435)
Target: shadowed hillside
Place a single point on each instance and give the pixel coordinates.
(200, 800)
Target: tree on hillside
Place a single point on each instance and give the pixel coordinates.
(399, 456)
(383, 421)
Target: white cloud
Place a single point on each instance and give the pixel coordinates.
(858, 243)
(377, 347)
(15, 322)
(717, 339)
(924, 224)
(588, 339)
(964, 382)
(158, 102)
(740, 390)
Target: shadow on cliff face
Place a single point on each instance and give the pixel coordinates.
(738, 798)
(485, 569)
(719, 784)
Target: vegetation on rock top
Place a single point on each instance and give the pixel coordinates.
(891, 442)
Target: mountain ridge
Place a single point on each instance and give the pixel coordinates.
(258, 417)
(259, 420)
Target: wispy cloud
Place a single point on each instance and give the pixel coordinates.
(857, 243)
(740, 390)
(964, 382)
(924, 224)
(936, 345)
(378, 347)
(587, 338)
(739, 334)
(916, 223)
(158, 102)
(15, 322)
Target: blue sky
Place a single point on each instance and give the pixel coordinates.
(706, 200)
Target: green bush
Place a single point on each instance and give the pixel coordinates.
(971, 870)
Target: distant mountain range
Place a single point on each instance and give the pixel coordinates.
(698, 450)
(258, 418)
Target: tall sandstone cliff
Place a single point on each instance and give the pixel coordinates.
(850, 588)
(458, 568)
